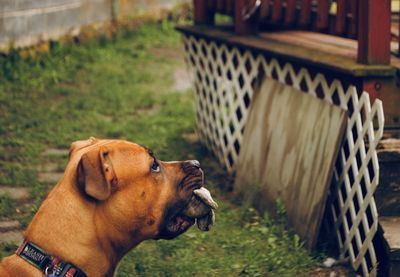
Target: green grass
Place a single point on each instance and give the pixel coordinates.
(7, 205)
(240, 244)
(122, 89)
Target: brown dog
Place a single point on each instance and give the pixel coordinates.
(114, 194)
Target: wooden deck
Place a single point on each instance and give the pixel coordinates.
(308, 48)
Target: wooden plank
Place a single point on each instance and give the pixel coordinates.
(374, 31)
(341, 16)
(288, 152)
(202, 13)
(305, 13)
(323, 14)
(387, 194)
(290, 14)
(390, 226)
(320, 42)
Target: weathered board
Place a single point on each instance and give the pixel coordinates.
(289, 147)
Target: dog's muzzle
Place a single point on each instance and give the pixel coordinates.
(175, 221)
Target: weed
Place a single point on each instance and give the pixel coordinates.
(7, 205)
(7, 248)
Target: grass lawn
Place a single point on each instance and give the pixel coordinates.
(124, 88)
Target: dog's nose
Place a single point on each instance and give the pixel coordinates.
(191, 167)
(195, 163)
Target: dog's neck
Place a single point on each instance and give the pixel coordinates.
(79, 232)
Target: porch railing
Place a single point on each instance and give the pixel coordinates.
(368, 21)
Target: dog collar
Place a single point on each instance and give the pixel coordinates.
(49, 265)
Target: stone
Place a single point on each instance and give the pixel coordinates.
(8, 225)
(49, 177)
(15, 192)
(56, 152)
(11, 236)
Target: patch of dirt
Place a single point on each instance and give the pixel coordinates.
(19, 194)
(182, 80)
(49, 177)
(47, 167)
(336, 271)
(9, 225)
(56, 152)
(191, 138)
(166, 52)
(10, 230)
(149, 110)
(11, 236)
(106, 118)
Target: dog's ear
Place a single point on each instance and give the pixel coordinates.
(96, 174)
(79, 144)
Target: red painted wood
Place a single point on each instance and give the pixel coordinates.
(211, 4)
(323, 14)
(354, 18)
(305, 13)
(290, 12)
(243, 26)
(341, 16)
(264, 9)
(220, 5)
(230, 6)
(374, 31)
(371, 85)
(202, 13)
(277, 11)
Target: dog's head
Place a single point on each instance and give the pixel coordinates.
(133, 190)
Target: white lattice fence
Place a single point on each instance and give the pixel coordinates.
(224, 80)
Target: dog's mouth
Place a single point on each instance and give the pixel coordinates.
(179, 224)
(175, 221)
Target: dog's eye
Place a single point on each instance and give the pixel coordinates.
(155, 167)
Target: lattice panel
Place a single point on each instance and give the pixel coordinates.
(225, 78)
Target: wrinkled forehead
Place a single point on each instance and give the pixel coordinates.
(82, 146)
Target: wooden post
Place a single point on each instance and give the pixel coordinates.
(341, 16)
(290, 15)
(220, 6)
(202, 13)
(264, 11)
(323, 14)
(243, 26)
(230, 6)
(354, 18)
(305, 13)
(276, 11)
(374, 18)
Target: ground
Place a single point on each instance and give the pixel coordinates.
(132, 87)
